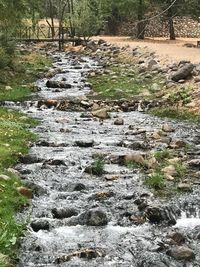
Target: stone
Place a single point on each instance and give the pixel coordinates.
(167, 128)
(95, 107)
(101, 113)
(29, 159)
(78, 187)
(181, 253)
(95, 218)
(194, 163)
(58, 84)
(86, 143)
(40, 224)
(155, 136)
(119, 121)
(51, 103)
(8, 88)
(4, 177)
(177, 144)
(184, 187)
(61, 213)
(25, 191)
(158, 215)
(137, 158)
(13, 171)
(177, 237)
(183, 73)
(170, 170)
(137, 219)
(198, 235)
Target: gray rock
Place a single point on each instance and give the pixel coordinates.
(84, 143)
(183, 73)
(40, 224)
(58, 84)
(181, 253)
(119, 121)
(94, 218)
(61, 213)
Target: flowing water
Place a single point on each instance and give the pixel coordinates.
(55, 168)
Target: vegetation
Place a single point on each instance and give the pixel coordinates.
(174, 113)
(17, 77)
(120, 82)
(14, 136)
(156, 181)
(97, 167)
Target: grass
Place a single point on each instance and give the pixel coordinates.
(123, 82)
(14, 136)
(174, 113)
(156, 181)
(21, 76)
(162, 154)
(97, 167)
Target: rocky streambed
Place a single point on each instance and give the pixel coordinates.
(107, 217)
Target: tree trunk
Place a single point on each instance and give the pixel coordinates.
(171, 24)
(141, 24)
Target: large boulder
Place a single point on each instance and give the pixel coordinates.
(183, 73)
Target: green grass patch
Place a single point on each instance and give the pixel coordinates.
(174, 113)
(124, 82)
(162, 154)
(14, 136)
(97, 167)
(20, 76)
(156, 181)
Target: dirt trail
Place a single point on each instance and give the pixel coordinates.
(168, 51)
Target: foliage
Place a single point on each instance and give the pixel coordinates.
(97, 167)
(123, 82)
(14, 136)
(175, 113)
(162, 154)
(156, 180)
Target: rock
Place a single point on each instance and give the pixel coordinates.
(157, 214)
(119, 121)
(78, 187)
(86, 143)
(29, 159)
(151, 63)
(136, 158)
(181, 253)
(51, 103)
(4, 177)
(194, 163)
(155, 136)
(25, 191)
(177, 144)
(197, 79)
(40, 224)
(13, 171)
(167, 128)
(183, 73)
(184, 187)
(95, 218)
(35, 188)
(61, 213)
(83, 253)
(57, 84)
(101, 113)
(170, 170)
(95, 107)
(198, 235)
(168, 177)
(137, 219)
(177, 237)
(8, 88)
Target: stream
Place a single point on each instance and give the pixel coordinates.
(78, 219)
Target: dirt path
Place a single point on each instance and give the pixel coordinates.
(168, 51)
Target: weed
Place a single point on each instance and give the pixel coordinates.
(97, 167)
(180, 168)
(14, 136)
(162, 154)
(175, 114)
(156, 180)
(122, 83)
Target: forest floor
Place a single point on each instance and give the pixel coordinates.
(166, 50)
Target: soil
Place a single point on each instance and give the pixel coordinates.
(166, 50)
